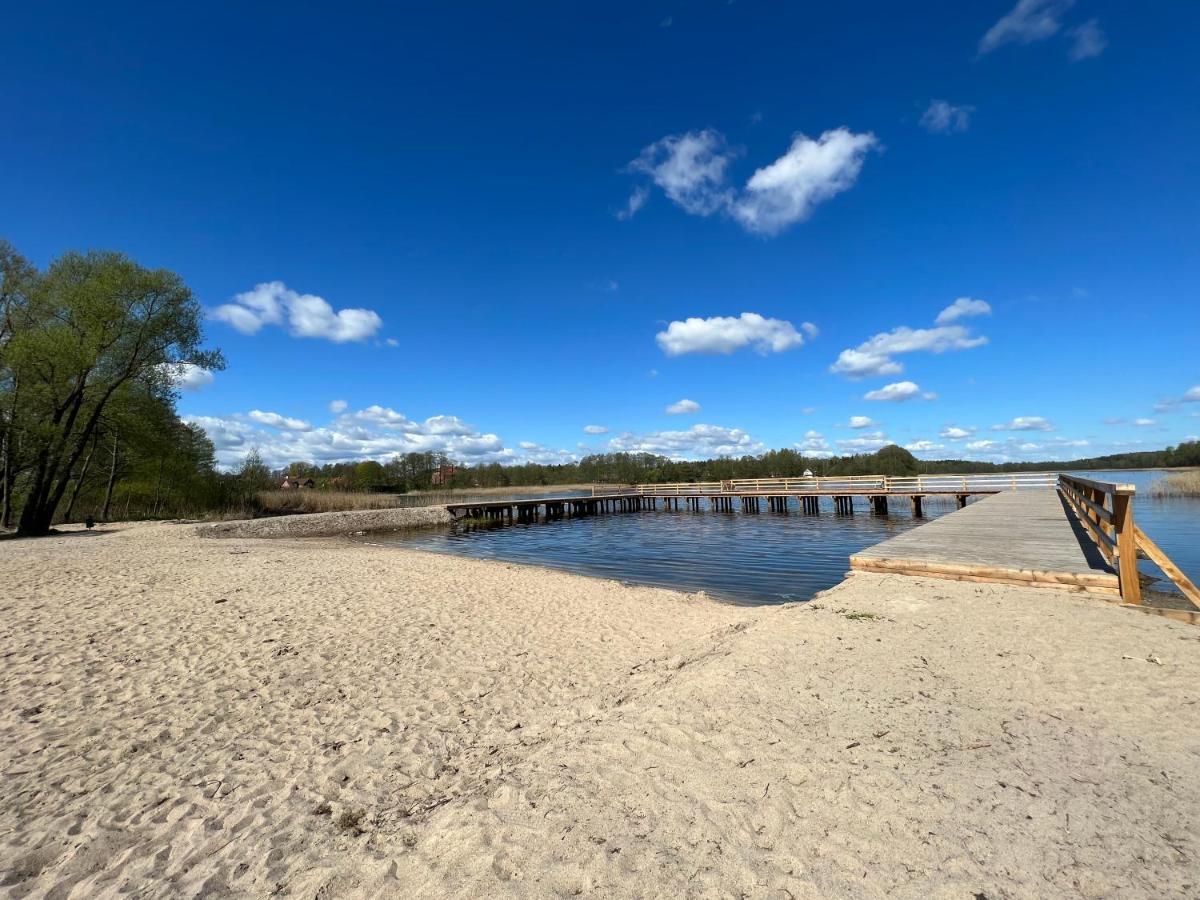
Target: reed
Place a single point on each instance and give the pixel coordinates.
(1177, 484)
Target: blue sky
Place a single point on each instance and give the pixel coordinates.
(971, 229)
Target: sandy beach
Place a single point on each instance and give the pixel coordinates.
(248, 717)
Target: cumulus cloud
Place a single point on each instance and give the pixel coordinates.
(304, 315)
(1025, 423)
(898, 392)
(1027, 22)
(866, 442)
(376, 432)
(860, 422)
(1144, 423)
(595, 429)
(726, 334)
(1087, 40)
(955, 433)
(962, 308)
(697, 442)
(875, 356)
(337, 406)
(943, 117)
(275, 420)
(814, 444)
(691, 170)
(187, 376)
(1192, 395)
(683, 407)
(811, 172)
(924, 446)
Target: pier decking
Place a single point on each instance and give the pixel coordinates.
(1016, 537)
(1031, 529)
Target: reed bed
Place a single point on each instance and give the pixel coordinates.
(1177, 484)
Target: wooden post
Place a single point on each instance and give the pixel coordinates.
(1127, 567)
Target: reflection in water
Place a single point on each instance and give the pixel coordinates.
(763, 557)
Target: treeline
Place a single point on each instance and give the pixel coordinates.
(426, 471)
(90, 349)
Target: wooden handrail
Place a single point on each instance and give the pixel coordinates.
(1109, 487)
(967, 484)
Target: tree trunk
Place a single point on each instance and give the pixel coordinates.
(6, 481)
(87, 461)
(112, 477)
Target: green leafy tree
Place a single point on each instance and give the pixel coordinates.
(89, 326)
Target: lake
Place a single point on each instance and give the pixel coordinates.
(752, 558)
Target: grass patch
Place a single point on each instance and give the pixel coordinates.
(858, 616)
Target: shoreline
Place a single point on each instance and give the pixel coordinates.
(248, 716)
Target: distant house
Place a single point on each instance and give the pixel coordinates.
(443, 474)
(297, 482)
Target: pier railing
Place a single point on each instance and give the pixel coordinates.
(1105, 509)
(899, 484)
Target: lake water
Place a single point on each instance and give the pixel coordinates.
(751, 558)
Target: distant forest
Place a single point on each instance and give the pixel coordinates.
(425, 471)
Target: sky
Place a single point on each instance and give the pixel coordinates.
(518, 232)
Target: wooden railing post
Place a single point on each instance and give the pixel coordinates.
(1127, 561)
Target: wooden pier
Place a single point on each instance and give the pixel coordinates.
(1030, 529)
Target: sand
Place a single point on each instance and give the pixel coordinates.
(183, 717)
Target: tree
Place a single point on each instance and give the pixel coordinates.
(89, 326)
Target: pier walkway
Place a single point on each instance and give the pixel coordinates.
(1030, 529)
(1017, 537)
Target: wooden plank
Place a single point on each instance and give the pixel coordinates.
(1172, 571)
(1098, 582)
(1131, 586)
(1109, 487)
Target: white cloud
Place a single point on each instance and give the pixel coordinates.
(635, 202)
(275, 420)
(1087, 40)
(1192, 395)
(811, 172)
(814, 444)
(546, 456)
(1025, 423)
(392, 342)
(376, 432)
(725, 334)
(874, 356)
(963, 308)
(861, 422)
(810, 329)
(942, 117)
(187, 376)
(697, 442)
(955, 433)
(683, 407)
(1144, 423)
(337, 406)
(691, 170)
(305, 315)
(924, 446)
(866, 442)
(982, 445)
(595, 429)
(1025, 23)
(898, 392)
